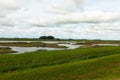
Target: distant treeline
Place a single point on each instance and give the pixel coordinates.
(18, 38)
(51, 38)
(45, 38)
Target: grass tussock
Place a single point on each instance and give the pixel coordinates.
(31, 44)
(4, 50)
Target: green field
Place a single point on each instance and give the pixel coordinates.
(102, 63)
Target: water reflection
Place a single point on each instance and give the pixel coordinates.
(106, 44)
(19, 50)
(31, 49)
(69, 44)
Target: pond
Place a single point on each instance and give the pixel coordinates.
(70, 46)
(19, 50)
(31, 49)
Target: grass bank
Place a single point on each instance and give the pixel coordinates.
(79, 64)
(103, 68)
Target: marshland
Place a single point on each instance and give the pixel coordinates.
(87, 60)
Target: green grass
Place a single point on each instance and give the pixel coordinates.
(104, 68)
(101, 63)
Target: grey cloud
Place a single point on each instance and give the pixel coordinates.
(79, 4)
(9, 6)
(8, 22)
(64, 19)
(79, 17)
(70, 6)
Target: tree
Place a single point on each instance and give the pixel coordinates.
(47, 37)
(50, 37)
(42, 37)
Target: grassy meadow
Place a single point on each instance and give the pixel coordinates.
(95, 63)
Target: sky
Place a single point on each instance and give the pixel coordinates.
(76, 19)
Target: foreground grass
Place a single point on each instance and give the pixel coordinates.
(104, 68)
(13, 62)
(78, 64)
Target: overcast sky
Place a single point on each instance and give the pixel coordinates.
(78, 19)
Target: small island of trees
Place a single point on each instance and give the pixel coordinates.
(47, 37)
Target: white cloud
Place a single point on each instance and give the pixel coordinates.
(60, 18)
(11, 4)
(7, 22)
(107, 26)
(77, 17)
(8, 6)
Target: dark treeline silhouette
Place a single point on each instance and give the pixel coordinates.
(47, 37)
